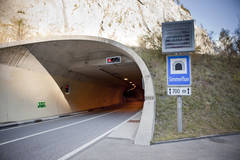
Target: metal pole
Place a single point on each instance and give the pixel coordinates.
(179, 113)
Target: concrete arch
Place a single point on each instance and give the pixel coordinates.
(146, 127)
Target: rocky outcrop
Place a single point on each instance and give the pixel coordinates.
(121, 20)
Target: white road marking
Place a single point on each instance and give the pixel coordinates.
(69, 155)
(54, 129)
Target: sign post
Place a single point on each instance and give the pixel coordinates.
(178, 37)
(179, 113)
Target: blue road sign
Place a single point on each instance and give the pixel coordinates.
(178, 70)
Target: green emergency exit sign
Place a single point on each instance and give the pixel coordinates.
(41, 104)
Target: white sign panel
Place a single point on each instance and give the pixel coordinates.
(178, 36)
(179, 91)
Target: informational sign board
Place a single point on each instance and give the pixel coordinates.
(178, 37)
(179, 91)
(179, 70)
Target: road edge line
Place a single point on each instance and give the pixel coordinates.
(53, 129)
(74, 152)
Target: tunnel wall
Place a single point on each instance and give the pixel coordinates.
(22, 89)
(24, 82)
(86, 95)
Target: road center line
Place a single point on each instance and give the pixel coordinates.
(54, 129)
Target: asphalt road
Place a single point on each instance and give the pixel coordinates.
(54, 139)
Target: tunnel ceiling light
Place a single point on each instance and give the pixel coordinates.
(125, 79)
(132, 88)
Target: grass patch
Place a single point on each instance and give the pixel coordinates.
(213, 108)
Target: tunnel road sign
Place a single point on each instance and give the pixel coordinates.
(178, 37)
(179, 70)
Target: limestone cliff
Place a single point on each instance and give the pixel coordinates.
(121, 20)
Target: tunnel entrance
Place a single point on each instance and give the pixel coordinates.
(78, 66)
(87, 80)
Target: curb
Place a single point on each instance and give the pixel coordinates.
(196, 138)
(17, 123)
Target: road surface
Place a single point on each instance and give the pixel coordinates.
(54, 139)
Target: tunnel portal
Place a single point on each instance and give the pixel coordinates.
(75, 77)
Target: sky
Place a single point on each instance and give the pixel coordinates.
(215, 14)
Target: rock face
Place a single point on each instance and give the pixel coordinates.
(120, 20)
